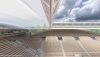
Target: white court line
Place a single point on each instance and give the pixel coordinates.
(82, 46)
(62, 49)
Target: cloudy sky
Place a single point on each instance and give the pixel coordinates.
(79, 11)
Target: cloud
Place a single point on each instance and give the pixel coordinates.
(73, 12)
(80, 10)
(78, 2)
(90, 11)
(65, 8)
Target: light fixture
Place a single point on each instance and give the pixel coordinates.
(60, 38)
(93, 37)
(76, 38)
(43, 37)
(12, 40)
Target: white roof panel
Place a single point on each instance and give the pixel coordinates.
(24, 13)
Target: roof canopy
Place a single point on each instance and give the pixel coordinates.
(23, 13)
